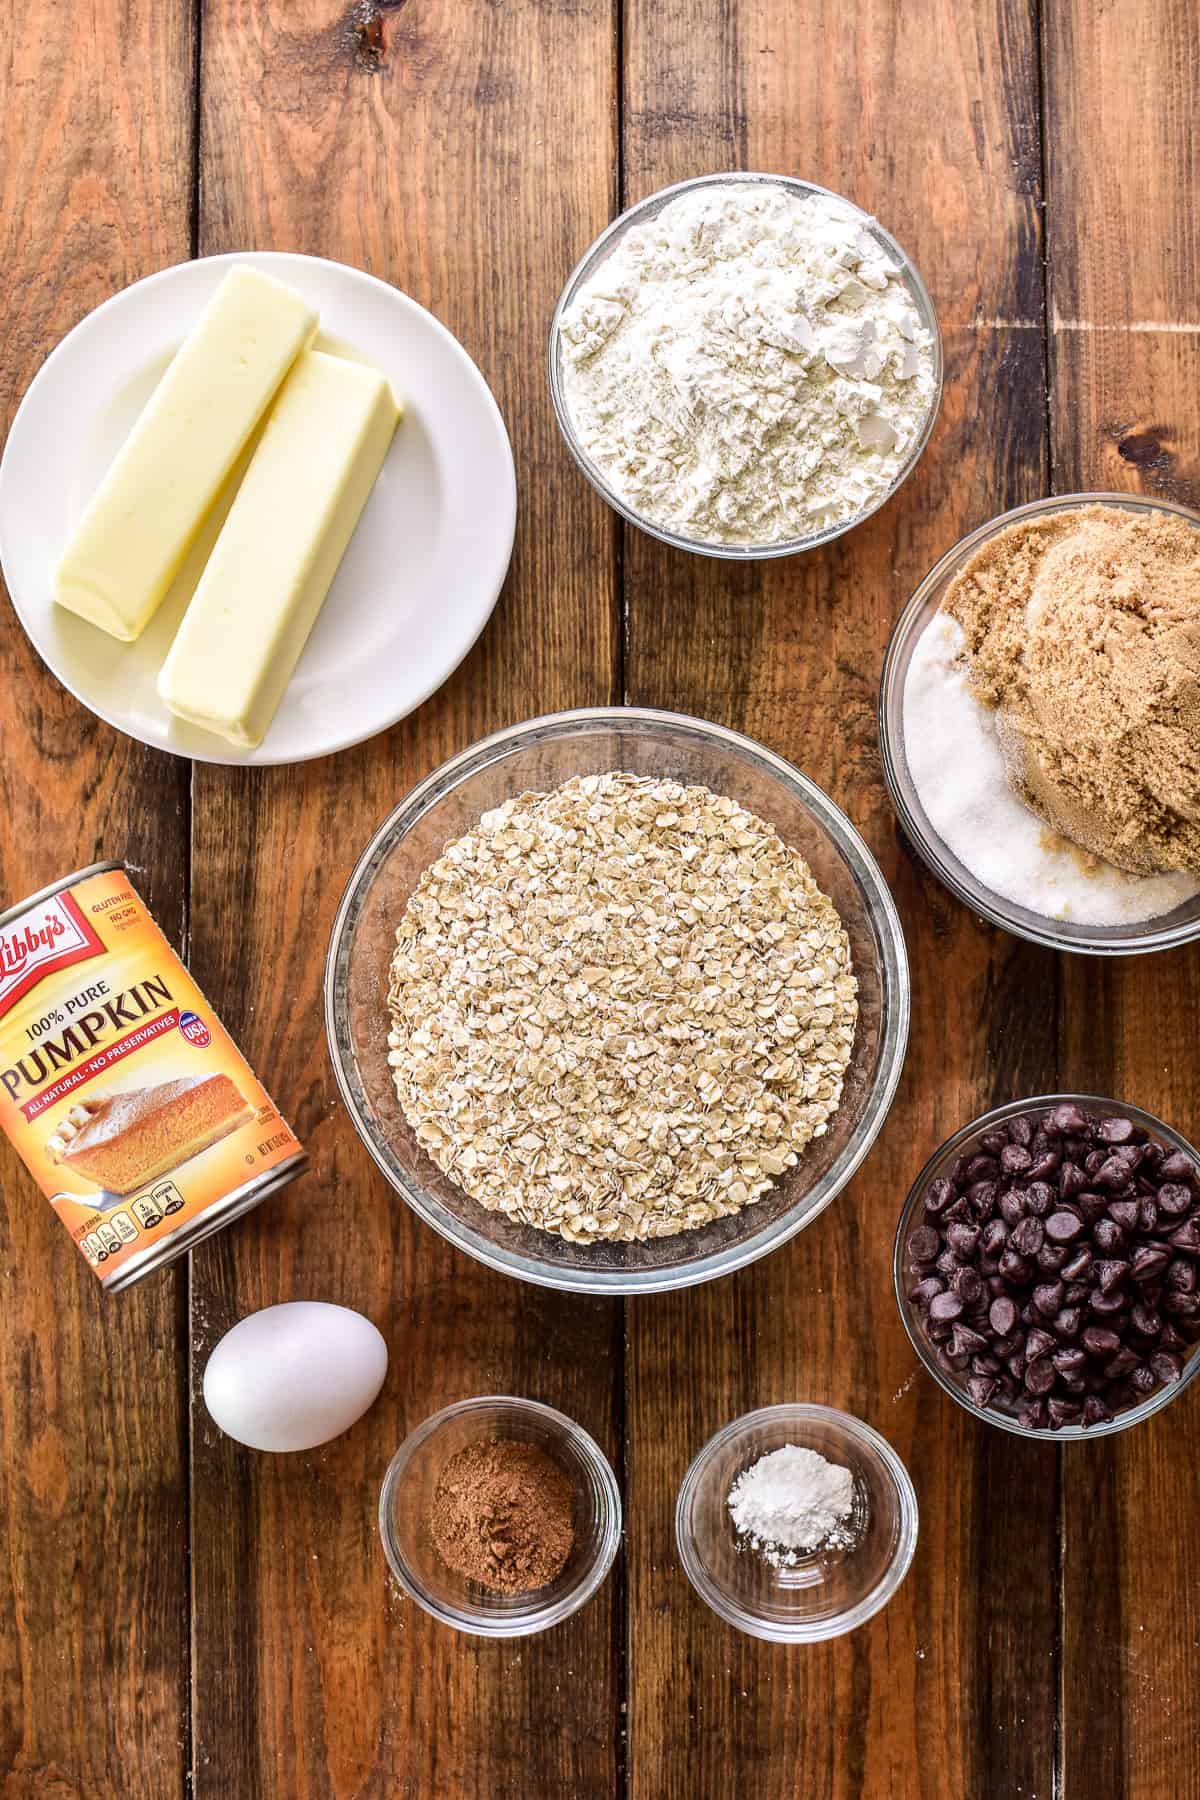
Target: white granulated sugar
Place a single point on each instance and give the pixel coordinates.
(957, 767)
(792, 1501)
(748, 366)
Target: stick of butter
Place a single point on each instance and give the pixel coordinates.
(130, 543)
(279, 549)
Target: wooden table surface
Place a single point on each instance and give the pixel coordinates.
(181, 1615)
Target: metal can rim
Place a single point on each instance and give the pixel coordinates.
(21, 907)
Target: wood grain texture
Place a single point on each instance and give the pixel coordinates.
(440, 150)
(942, 1692)
(94, 192)
(1124, 262)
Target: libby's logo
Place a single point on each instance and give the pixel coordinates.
(50, 936)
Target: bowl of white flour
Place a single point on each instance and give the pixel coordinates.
(745, 365)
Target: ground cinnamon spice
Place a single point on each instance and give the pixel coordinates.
(503, 1516)
(1083, 633)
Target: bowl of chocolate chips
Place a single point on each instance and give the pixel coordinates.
(1047, 1266)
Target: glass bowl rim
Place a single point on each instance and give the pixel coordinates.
(996, 1115)
(1096, 940)
(594, 255)
(543, 1614)
(801, 1632)
(853, 851)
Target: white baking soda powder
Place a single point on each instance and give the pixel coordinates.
(792, 1501)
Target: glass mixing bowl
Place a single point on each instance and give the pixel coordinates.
(964, 1143)
(604, 246)
(1178, 927)
(822, 1593)
(542, 755)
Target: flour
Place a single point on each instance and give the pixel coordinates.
(790, 1501)
(957, 766)
(748, 366)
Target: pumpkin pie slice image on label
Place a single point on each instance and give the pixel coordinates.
(122, 1141)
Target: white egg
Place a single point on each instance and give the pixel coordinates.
(294, 1376)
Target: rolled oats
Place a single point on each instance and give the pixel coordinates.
(619, 1010)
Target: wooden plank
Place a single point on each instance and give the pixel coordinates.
(1124, 264)
(94, 192)
(438, 147)
(952, 1690)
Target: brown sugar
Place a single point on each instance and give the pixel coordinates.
(503, 1516)
(1083, 632)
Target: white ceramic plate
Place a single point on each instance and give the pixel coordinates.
(417, 584)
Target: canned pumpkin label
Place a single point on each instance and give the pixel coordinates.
(123, 1093)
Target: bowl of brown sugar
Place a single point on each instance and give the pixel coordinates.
(500, 1516)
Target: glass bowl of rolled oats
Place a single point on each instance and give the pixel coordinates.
(617, 1000)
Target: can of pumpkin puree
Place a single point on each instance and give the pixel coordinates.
(123, 1093)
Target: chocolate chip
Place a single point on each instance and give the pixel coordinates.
(1147, 1219)
(1187, 1238)
(1068, 1119)
(962, 1239)
(1105, 1305)
(1098, 1341)
(1048, 1297)
(1143, 1380)
(1090, 1207)
(1033, 1415)
(1015, 1160)
(944, 1308)
(981, 1197)
(1051, 1257)
(1174, 1199)
(981, 1388)
(1014, 1267)
(1108, 1236)
(1181, 1275)
(1063, 1227)
(1176, 1167)
(1148, 1263)
(939, 1195)
(1094, 1411)
(1012, 1206)
(926, 1291)
(1039, 1376)
(993, 1142)
(981, 1168)
(1069, 1362)
(1020, 1130)
(1165, 1366)
(1063, 1412)
(1039, 1343)
(1003, 1316)
(1115, 1131)
(1109, 1275)
(1121, 1363)
(1067, 1322)
(924, 1244)
(994, 1237)
(1145, 1321)
(1125, 1213)
(1039, 1198)
(967, 1285)
(1071, 1181)
(1078, 1266)
(1027, 1236)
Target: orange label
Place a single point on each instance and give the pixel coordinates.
(125, 1096)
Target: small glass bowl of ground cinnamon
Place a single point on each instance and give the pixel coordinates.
(500, 1516)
